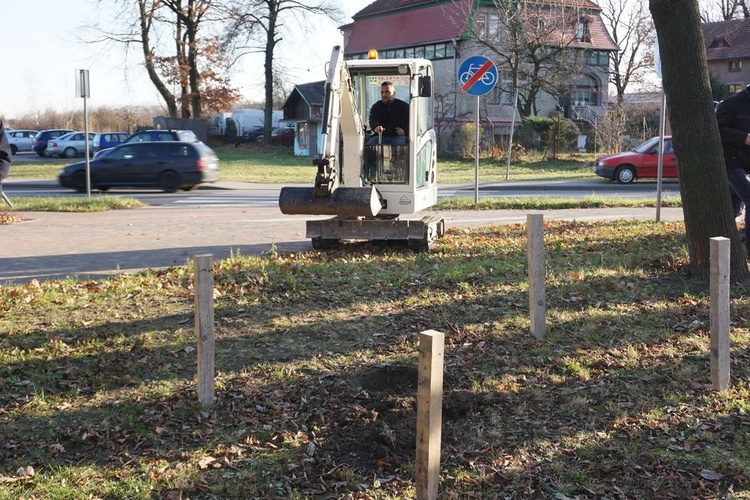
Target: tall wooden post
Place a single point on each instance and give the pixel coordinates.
(720, 313)
(204, 326)
(429, 413)
(535, 255)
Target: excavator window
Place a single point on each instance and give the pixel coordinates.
(386, 163)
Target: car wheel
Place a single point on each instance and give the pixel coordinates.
(45, 153)
(625, 175)
(13, 149)
(79, 182)
(70, 153)
(170, 181)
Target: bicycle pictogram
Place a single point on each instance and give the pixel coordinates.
(477, 75)
(487, 78)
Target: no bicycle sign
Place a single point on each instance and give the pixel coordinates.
(477, 75)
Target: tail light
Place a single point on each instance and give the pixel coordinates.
(201, 164)
(53, 144)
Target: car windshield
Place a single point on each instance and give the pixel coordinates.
(647, 146)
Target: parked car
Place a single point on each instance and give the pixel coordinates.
(70, 145)
(21, 140)
(169, 165)
(641, 163)
(41, 139)
(282, 135)
(162, 135)
(253, 134)
(106, 140)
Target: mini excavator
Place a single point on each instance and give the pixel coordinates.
(365, 184)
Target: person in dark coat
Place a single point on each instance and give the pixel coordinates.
(389, 117)
(5, 155)
(733, 117)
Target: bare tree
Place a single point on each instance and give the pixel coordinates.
(703, 179)
(633, 31)
(259, 26)
(176, 65)
(723, 10)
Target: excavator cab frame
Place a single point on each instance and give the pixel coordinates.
(365, 183)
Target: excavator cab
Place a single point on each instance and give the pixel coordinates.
(361, 180)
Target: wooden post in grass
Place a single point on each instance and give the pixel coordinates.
(204, 326)
(535, 255)
(720, 313)
(429, 413)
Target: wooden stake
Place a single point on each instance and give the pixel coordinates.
(429, 413)
(535, 255)
(204, 326)
(720, 313)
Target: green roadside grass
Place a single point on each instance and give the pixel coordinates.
(547, 203)
(97, 203)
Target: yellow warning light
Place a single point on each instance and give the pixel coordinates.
(372, 54)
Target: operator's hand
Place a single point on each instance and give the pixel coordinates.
(400, 131)
(379, 129)
(747, 140)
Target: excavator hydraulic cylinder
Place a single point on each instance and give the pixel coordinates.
(350, 201)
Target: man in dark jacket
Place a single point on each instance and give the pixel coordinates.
(5, 155)
(389, 117)
(733, 116)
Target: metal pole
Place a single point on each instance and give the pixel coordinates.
(660, 165)
(476, 154)
(510, 139)
(86, 139)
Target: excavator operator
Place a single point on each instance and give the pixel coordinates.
(389, 117)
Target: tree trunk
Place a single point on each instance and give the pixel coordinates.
(193, 74)
(273, 12)
(146, 19)
(695, 135)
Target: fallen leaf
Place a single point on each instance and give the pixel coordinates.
(710, 475)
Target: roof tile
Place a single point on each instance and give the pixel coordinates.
(433, 23)
(736, 37)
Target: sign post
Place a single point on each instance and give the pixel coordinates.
(83, 89)
(662, 119)
(477, 76)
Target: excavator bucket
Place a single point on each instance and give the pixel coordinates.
(349, 201)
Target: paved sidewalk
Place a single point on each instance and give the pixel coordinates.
(88, 245)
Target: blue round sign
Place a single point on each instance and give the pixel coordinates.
(477, 75)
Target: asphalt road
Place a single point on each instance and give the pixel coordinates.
(266, 195)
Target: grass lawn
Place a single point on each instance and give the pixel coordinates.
(266, 164)
(316, 375)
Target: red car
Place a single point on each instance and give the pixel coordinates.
(641, 163)
(283, 135)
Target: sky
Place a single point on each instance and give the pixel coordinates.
(44, 47)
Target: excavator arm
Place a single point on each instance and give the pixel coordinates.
(338, 188)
